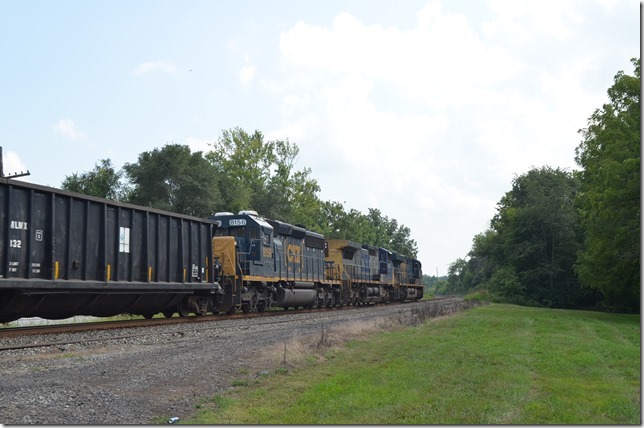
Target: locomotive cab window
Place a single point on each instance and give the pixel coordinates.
(266, 238)
(253, 233)
(238, 232)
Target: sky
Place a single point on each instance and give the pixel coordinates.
(425, 110)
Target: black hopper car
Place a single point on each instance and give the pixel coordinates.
(64, 254)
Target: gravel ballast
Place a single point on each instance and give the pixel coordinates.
(164, 374)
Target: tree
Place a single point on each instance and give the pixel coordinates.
(435, 285)
(458, 277)
(537, 237)
(609, 200)
(333, 220)
(372, 228)
(306, 206)
(259, 175)
(103, 181)
(505, 283)
(386, 233)
(174, 179)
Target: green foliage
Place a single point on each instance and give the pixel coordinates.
(505, 283)
(435, 285)
(259, 175)
(478, 296)
(372, 228)
(459, 277)
(103, 181)
(241, 172)
(556, 367)
(559, 239)
(305, 205)
(610, 197)
(537, 228)
(527, 255)
(174, 179)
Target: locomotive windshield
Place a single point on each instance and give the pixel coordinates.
(238, 232)
(252, 232)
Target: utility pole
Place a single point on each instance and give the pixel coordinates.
(16, 175)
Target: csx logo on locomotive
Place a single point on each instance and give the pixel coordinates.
(293, 253)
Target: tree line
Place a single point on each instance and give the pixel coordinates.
(569, 239)
(242, 171)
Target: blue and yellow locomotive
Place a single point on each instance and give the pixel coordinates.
(267, 263)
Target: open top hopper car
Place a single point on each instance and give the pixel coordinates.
(64, 254)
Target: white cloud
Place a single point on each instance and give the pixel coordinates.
(435, 119)
(441, 59)
(247, 72)
(527, 21)
(67, 129)
(12, 164)
(154, 66)
(196, 144)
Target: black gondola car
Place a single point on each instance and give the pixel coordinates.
(64, 254)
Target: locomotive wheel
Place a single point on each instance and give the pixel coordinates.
(245, 307)
(168, 314)
(261, 306)
(148, 316)
(231, 310)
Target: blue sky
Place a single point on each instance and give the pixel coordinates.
(425, 110)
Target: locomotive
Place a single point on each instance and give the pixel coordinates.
(64, 254)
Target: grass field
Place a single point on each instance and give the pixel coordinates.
(494, 364)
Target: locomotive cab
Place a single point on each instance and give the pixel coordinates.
(253, 241)
(243, 246)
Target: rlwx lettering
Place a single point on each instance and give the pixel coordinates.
(20, 225)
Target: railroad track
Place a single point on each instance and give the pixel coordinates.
(46, 334)
(193, 323)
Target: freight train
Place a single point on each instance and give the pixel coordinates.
(64, 254)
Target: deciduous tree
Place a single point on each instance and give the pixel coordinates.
(103, 181)
(610, 194)
(175, 179)
(259, 175)
(537, 229)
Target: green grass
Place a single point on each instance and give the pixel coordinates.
(495, 364)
